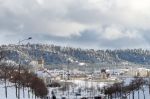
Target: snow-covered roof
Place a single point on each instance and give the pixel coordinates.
(42, 74)
(82, 64)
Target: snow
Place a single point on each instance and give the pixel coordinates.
(71, 93)
(11, 92)
(145, 88)
(82, 64)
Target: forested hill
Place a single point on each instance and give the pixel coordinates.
(53, 54)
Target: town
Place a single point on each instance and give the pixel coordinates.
(74, 49)
(80, 84)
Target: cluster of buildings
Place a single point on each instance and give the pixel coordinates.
(49, 76)
(140, 72)
(82, 79)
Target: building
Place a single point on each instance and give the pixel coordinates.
(37, 65)
(141, 72)
(103, 74)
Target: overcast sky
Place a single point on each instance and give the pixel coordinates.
(77, 23)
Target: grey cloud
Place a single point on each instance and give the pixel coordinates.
(78, 23)
(80, 13)
(122, 43)
(146, 36)
(91, 39)
(87, 39)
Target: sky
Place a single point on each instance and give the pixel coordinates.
(97, 24)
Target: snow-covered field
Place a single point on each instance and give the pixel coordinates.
(11, 92)
(141, 94)
(69, 94)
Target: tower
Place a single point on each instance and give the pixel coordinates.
(40, 64)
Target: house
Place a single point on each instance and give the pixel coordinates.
(103, 74)
(37, 65)
(142, 72)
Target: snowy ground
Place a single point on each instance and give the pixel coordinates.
(71, 94)
(81, 84)
(146, 92)
(11, 92)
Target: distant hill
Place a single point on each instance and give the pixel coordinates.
(53, 54)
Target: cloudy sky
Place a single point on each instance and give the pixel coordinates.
(77, 23)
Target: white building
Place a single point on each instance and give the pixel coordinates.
(37, 65)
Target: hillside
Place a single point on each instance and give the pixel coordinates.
(53, 54)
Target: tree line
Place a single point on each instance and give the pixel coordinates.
(127, 90)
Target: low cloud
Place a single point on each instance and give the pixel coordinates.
(79, 23)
